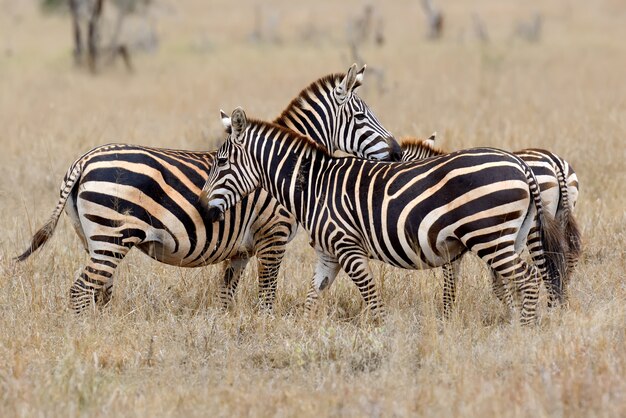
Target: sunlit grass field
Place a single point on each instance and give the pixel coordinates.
(164, 348)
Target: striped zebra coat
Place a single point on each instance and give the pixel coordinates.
(121, 196)
(558, 184)
(412, 215)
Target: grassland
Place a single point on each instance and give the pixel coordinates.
(162, 348)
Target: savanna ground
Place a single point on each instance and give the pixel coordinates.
(164, 348)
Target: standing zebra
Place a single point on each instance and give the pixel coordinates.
(412, 215)
(559, 192)
(120, 196)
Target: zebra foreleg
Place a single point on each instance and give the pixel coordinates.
(326, 270)
(232, 273)
(450, 277)
(356, 265)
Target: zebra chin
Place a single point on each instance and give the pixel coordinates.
(214, 214)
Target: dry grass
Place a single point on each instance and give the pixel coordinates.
(163, 348)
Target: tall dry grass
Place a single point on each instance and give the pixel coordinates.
(163, 348)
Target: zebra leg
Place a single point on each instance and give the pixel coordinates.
(94, 285)
(526, 280)
(536, 252)
(571, 260)
(450, 276)
(271, 237)
(503, 291)
(326, 270)
(232, 273)
(356, 265)
(270, 255)
(269, 261)
(573, 240)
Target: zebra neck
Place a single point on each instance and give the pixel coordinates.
(300, 120)
(290, 177)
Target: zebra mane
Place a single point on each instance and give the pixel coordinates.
(411, 142)
(297, 102)
(269, 126)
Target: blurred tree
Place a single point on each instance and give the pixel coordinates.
(53, 5)
(434, 17)
(87, 19)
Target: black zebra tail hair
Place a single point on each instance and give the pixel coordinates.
(44, 233)
(573, 236)
(40, 238)
(566, 219)
(553, 243)
(554, 249)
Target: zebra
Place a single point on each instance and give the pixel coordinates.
(558, 184)
(120, 196)
(412, 215)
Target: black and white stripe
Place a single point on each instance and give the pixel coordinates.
(558, 185)
(412, 215)
(121, 196)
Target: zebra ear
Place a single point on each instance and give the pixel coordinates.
(431, 140)
(359, 77)
(346, 85)
(226, 122)
(239, 122)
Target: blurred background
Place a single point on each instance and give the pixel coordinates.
(75, 74)
(80, 73)
(158, 71)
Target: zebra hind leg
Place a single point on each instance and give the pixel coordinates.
(503, 291)
(574, 246)
(526, 280)
(232, 273)
(548, 250)
(450, 277)
(94, 285)
(326, 270)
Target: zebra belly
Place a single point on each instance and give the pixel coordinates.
(122, 216)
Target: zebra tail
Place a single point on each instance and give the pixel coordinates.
(573, 236)
(44, 233)
(553, 242)
(566, 217)
(554, 249)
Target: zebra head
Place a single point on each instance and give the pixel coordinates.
(331, 112)
(414, 149)
(228, 181)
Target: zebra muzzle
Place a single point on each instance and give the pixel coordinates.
(396, 151)
(215, 214)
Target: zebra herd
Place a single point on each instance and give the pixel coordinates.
(413, 206)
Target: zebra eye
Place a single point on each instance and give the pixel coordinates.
(222, 160)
